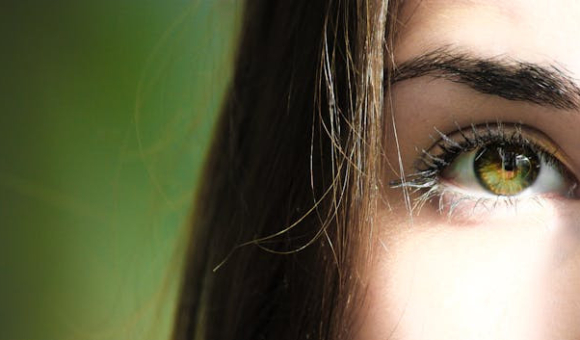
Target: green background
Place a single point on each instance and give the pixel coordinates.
(106, 112)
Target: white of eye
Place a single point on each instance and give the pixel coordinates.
(460, 176)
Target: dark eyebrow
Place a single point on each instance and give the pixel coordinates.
(500, 76)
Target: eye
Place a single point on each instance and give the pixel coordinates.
(501, 160)
(508, 169)
(492, 162)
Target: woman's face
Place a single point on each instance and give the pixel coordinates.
(491, 249)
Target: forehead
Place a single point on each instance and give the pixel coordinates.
(532, 30)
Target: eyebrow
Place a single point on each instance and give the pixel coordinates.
(500, 76)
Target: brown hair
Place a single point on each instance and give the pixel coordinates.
(293, 176)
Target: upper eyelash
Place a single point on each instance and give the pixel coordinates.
(430, 165)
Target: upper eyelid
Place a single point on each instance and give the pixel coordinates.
(537, 139)
(465, 139)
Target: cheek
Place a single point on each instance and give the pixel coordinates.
(513, 277)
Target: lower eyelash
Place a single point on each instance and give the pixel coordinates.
(427, 180)
(450, 201)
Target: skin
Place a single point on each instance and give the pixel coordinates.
(501, 273)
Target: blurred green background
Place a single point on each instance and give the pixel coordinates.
(106, 112)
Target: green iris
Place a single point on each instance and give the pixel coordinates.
(506, 169)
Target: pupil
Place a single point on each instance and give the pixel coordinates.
(506, 169)
(508, 161)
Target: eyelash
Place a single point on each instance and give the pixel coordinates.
(430, 166)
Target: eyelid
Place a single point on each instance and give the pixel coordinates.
(510, 131)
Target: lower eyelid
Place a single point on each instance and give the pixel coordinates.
(475, 211)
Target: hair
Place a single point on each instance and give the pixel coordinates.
(285, 209)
